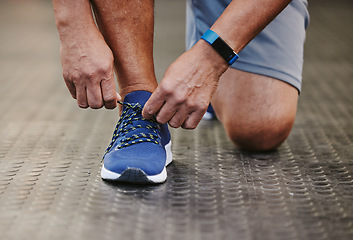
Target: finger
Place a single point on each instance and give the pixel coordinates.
(94, 96)
(179, 118)
(81, 97)
(193, 120)
(166, 112)
(153, 105)
(72, 88)
(110, 96)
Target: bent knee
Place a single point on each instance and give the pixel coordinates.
(259, 136)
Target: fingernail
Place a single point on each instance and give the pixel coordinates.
(118, 96)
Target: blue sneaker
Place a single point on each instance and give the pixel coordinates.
(209, 114)
(140, 149)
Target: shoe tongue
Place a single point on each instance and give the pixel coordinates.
(140, 97)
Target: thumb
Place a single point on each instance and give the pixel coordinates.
(118, 96)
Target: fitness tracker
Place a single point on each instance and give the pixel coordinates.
(220, 46)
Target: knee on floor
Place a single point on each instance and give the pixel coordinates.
(259, 137)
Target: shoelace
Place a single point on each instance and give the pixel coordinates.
(127, 117)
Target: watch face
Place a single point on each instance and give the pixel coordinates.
(224, 50)
(220, 46)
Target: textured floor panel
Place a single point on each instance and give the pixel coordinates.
(50, 151)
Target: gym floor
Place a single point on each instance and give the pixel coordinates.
(50, 150)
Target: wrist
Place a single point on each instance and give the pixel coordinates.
(211, 58)
(74, 34)
(73, 19)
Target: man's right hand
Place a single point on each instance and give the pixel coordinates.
(88, 71)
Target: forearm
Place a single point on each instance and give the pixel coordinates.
(73, 19)
(243, 20)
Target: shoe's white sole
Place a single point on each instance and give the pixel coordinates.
(135, 175)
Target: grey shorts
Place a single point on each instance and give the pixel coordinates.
(276, 52)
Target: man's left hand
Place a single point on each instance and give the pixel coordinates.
(185, 92)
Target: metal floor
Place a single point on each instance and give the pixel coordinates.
(50, 150)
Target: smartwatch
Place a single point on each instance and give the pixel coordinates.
(220, 46)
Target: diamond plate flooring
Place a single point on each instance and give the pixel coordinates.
(50, 150)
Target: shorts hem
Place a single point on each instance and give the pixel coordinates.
(269, 72)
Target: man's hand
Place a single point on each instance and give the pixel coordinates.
(185, 92)
(86, 59)
(87, 64)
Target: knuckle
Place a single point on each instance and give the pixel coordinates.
(167, 89)
(174, 124)
(200, 106)
(179, 100)
(88, 73)
(204, 105)
(147, 112)
(82, 105)
(96, 105)
(71, 77)
(192, 125)
(110, 106)
(110, 98)
(66, 75)
(161, 120)
(74, 77)
(105, 68)
(188, 126)
(175, 97)
(191, 105)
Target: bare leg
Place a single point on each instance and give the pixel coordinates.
(127, 26)
(257, 112)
